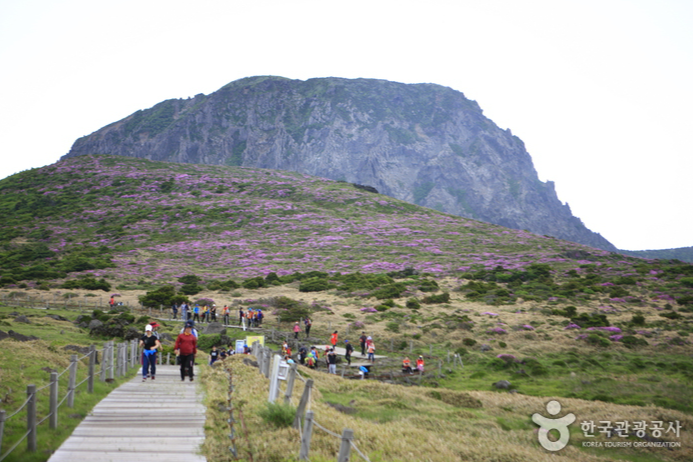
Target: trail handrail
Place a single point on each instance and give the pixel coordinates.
(54, 405)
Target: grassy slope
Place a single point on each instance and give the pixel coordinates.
(228, 222)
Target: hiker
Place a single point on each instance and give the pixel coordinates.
(225, 313)
(311, 362)
(307, 323)
(362, 340)
(364, 371)
(316, 355)
(184, 311)
(213, 355)
(186, 349)
(205, 314)
(192, 326)
(222, 354)
(149, 344)
(332, 361)
(213, 313)
(406, 365)
(111, 302)
(289, 360)
(174, 308)
(420, 364)
(371, 352)
(349, 350)
(241, 316)
(196, 313)
(302, 354)
(260, 316)
(333, 339)
(297, 329)
(285, 347)
(155, 326)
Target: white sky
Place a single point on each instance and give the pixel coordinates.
(600, 91)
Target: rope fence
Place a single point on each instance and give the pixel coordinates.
(108, 367)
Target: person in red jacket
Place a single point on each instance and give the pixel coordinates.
(333, 339)
(186, 349)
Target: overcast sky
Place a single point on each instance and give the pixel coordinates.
(600, 92)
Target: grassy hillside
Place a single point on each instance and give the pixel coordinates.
(600, 331)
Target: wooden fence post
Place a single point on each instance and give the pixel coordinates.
(92, 362)
(31, 418)
(53, 401)
(102, 370)
(290, 384)
(111, 353)
(307, 434)
(345, 448)
(2, 426)
(302, 403)
(72, 381)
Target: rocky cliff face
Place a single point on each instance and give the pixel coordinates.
(423, 143)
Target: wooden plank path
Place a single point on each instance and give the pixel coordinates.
(155, 421)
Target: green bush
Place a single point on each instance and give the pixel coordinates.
(189, 279)
(278, 414)
(205, 342)
(392, 326)
(631, 341)
(469, 341)
(190, 289)
(428, 285)
(389, 291)
(254, 283)
(598, 340)
(438, 298)
(314, 285)
(638, 320)
(413, 304)
(382, 308)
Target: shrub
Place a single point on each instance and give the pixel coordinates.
(392, 326)
(189, 279)
(190, 289)
(638, 320)
(382, 308)
(438, 298)
(278, 414)
(160, 296)
(502, 344)
(389, 291)
(254, 283)
(428, 285)
(413, 304)
(598, 340)
(469, 341)
(205, 342)
(314, 285)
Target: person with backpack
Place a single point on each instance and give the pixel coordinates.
(307, 324)
(213, 313)
(362, 340)
(333, 339)
(149, 343)
(349, 350)
(186, 349)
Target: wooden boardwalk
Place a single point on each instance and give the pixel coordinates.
(159, 420)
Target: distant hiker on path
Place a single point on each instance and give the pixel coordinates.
(184, 311)
(149, 344)
(371, 351)
(406, 365)
(420, 364)
(174, 307)
(186, 349)
(333, 339)
(241, 316)
(196, 313)
(225, 313)
(349, 350)
(362, 340)
(332, 361)
(307, 323)
(297, 329)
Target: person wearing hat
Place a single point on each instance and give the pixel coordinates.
(190, 324)
(149, 344)
(349, 350)
(186, 349)
(420, 364)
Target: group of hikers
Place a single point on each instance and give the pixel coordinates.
(185, 346)
(252, 317)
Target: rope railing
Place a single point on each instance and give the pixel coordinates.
(122, 365)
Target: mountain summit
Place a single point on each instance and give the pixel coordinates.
(423, 143)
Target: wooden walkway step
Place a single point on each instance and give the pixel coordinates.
(155, 421)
